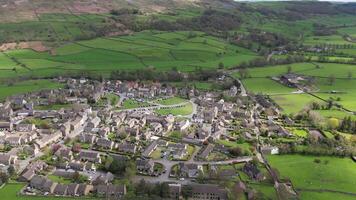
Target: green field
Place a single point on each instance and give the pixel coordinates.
(292, 103)
(161, 50)
(337, 174)
(333, 39)
(324, 196)
(266, 86)
(59, 179)
(186, 109)
(130, 104)
(26, 86)
(171, 101)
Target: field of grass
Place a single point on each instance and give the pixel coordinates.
(268, 191)
(293, 103)
(266, 86)
(59, 179)
(162, 50)
(53, 27)
(299, 132)
(186, 109)
(26, 86)
(244, 146)
(304, 195)
(171, 101)
(10, 192)
(332, 39)
(337, 174)
(130, 103)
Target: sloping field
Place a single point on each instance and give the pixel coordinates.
(161, 50)
(332, 173)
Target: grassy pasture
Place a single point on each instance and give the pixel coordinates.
(331, 39)
(26, 86)
(266, 86)
(331, 173)
(304, 195)
(293, 103)
(162, 50)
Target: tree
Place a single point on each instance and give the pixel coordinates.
(130, 170)
(76, 148)
(187, 191)
(349, 75)
(333, 123)
(289, 69)
(221, 65)
(243, 72)
(117, 167)
(11, 170)
(76, 177)
(331, 80)
(55, 148)
(4, 178)
(236, 151)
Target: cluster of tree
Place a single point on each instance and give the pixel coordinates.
(322, 30)
(262, 62)
(337, 146)
(310, 117)
(347, 125)
(158, 190)
(238, 151)
(321, 106)
(125, 11)
(119, 168)
(199, 74)
(209, 21)
(4, 178)
(293, 11)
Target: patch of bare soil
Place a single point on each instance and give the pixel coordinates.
(34, 45)
(84, 7)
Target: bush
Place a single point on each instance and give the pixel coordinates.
(317, 160)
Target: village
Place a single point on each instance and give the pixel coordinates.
(80, 140)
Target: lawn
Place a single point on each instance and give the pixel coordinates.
(338, 174)
(10, 192)
(171, 101)
(156, 154)
(244, 146)
(59, 179)
(130, 104)
(299, 132)
(176, 134)
(27, 86)
(186, 109)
